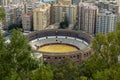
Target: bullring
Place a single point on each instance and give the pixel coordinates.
(45, 39)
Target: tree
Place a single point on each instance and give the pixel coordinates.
(83, 78)
(107, 74)
(64, 24)
(12, 26)
(2, 14)
(107, 46)
(118, 26)
(44, 72)
(67, 70)
(104, 62)
(15, 26)
(20, 51)
(4, 59)
(15, 57)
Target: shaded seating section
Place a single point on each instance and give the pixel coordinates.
(81, 35)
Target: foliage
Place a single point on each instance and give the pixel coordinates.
(104, 62)
(42, 73)
(2, 15)
(67, 70)
(14, 26)
(2, 12)
(64, 24)
(15, 57)
(108, 74)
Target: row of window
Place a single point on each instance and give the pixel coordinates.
(87, 54)
(73, 57)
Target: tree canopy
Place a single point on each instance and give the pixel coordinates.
(64, 24)
(16, 62)
(15, 57)
(2, 12)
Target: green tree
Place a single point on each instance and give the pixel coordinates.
(83, 78)
(13, 26)
(2, 14)
(20, 51)
(101, 64)
(64, 24)
(16, 62)
(108, 74)
(4, 59)
(107, 46)
(118, 26)
(44, 72)
(67, 70)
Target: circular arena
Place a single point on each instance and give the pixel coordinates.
(57, 44)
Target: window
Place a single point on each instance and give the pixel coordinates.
(77, 56)
(59, 57)
(84, 55)
(55, 57)
(48, 57)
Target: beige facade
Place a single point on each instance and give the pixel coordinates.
(87, 17)
(62, 10)
(27, 21)
(41, 17)
(67, 2)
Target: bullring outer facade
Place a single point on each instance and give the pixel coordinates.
(79, 40)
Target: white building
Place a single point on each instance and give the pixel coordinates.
(106, 22)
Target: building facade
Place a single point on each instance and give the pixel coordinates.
(52, 14)
(75, 2)
(65, 2)
(87, 17)
(106, 22)
(49, 1)
(62, 10)
(27, 21)
(41, 17)
(13, 15)
(109, 6)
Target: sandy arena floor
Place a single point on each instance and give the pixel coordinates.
(57, 48)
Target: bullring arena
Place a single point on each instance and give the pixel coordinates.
(58, 44)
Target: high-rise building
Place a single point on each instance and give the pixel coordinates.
(109, 6)
(118, 3)
(106, 22)
(27, 21)
(67, 2)
(52, 14)
(49, 1)
(13, 15)
(65, 10)
(41, 17)
(0, 2)
(75, 2)
(4, 2)
(87, 17)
